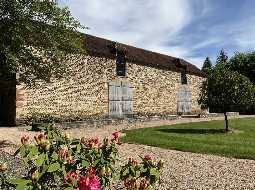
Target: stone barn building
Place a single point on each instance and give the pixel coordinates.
(116, 80)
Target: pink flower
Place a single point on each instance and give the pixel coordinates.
(147, 157)
(25, 139)
(116, 135)
(89, 183)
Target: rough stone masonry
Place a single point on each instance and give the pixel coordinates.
(152, 84)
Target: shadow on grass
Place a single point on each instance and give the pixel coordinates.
(193, 131)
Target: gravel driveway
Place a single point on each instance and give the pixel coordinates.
(183, 170)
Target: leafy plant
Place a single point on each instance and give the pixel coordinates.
(36, 36)
(55, 161)
(141, 176)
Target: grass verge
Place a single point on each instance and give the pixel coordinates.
(201, 137)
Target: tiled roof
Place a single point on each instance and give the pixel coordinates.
(105, 48)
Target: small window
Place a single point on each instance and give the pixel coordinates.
(184, 76)
(121, 64)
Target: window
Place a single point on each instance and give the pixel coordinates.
(121, 64)
(184, 76)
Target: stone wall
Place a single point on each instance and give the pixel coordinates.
(84, 92)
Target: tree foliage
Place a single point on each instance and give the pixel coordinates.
(226, 90)
(207, 66)
(35, 38)
(222, 58)
(243, 63)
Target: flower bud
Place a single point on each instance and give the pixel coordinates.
(102, 172)
(147, 157)
(25, 139)
(39, 139)
(116, 135)
(132, 161)
(45, 144)
(161, 164)
(83, 140)
(3, 167)
(67, 136)
(63, 153)
(47, 147)
(108, 171)
(106, 142)
(69, 159)
(35, 175)
(144, 184)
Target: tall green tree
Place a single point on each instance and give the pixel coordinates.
(243, 63)
(36, 36)
(207, 66)
(222, 58)
(226, 91)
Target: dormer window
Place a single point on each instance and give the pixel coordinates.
(121, 64)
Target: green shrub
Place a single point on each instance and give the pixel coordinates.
(55, 161)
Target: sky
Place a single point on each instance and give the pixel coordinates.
(189, 29)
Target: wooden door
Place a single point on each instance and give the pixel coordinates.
(7, 103)
(120, 99)
(184, 101)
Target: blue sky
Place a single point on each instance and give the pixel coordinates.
(190, 29)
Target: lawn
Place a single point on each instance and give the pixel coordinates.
(201, 137)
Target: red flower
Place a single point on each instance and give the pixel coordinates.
(116, 135)
(89, 183)
(147, 157)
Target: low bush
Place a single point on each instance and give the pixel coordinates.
(55, 161)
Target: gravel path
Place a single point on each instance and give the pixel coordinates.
(186, 170)
(183, 170)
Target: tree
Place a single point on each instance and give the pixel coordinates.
(226, 91)
(35, 38)
(207, 66)
(222, 58)
(243, 63)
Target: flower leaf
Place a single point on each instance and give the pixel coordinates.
(54, 167)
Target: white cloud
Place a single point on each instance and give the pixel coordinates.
(147, 24)
(141, 22)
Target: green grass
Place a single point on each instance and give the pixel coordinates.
(201, 137)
